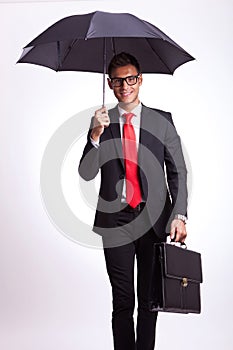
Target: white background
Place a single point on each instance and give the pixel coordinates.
(54, 293)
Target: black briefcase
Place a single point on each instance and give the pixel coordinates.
(176, 278)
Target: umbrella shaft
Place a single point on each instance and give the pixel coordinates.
(105, 59)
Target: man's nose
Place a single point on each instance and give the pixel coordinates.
(124, 84)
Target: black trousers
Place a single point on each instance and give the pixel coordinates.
(120, 267)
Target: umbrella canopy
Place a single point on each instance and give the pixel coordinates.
(88, 42)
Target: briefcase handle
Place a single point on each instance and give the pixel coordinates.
(179, 244)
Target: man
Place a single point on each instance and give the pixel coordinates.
(139, 153)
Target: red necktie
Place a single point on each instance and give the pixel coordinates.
(133, 191)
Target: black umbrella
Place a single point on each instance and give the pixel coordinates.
(88, 42)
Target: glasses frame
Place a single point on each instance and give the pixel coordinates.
(125, 79)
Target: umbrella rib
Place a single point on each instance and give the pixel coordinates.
(59, 55)
(155, 53)
(113, 45)
(68, 50)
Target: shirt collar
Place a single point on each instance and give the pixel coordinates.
(136, 111)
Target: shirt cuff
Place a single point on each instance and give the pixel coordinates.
(96, 144)
(181, 217)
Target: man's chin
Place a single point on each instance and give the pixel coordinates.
(124, 104)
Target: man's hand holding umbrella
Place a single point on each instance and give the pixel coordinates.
(101, 121)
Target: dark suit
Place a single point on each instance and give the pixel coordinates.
(159, 149)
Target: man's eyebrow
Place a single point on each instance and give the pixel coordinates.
(128, 76)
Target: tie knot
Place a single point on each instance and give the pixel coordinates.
(128, 117)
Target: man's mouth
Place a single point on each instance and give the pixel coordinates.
(126, 93)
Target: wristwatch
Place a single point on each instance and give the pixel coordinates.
(181, 217)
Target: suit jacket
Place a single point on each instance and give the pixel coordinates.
(162, 170)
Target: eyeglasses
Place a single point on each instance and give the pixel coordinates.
(131, 80)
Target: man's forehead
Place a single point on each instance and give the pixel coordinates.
(124, 71)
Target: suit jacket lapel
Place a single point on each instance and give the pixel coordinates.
(144, 125)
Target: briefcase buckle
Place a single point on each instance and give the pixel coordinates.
(184, 282)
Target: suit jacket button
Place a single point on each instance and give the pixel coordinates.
(121, 177)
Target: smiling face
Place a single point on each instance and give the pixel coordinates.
(126, 95)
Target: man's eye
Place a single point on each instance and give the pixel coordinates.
(117, 81)
(131, 79)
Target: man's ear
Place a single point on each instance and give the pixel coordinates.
(110, 84)
(140, 79)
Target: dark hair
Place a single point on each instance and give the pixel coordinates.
(123, 59)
